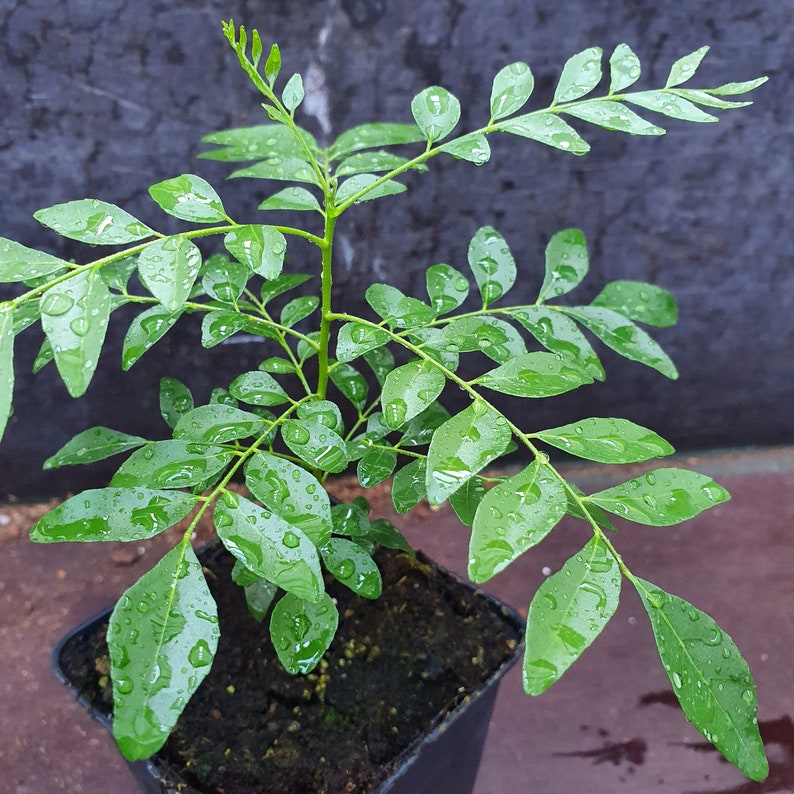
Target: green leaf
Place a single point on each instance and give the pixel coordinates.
(292, 493)
(220, 325)
(705, 98)
(292, 95)
(323, 412)
(355, 339)
(560, 334)
(662, 497)
(352, 520)
(298, 309)
(74, 316)
(580, 75)
(669, 104)
(512, 517)
(462, 447)
(261, 248)
(408, 486)
(302, 631)
(546, 128)
(511, 89)
(354, 185)
(281, 284)
(466, 500)
(19, 263)
(447, 288)
(375, 466)
(218, 424)
(624, 337)
(89, 446)
(291, 198)
(535, 375)
(491, 263)
(710, 677)
(436, 112)
(273, 65)
(189, 198)
(224, 279)
(420, 429)
(371, 162)
(113, 514)
(371, 136)
(259, 595)
(24, 315)
(566, 263)
(397, 309)
(624, 67)
(168, 269)
(258, 388)
(593, 513)
(643, 303)
(435, 344)
(385, 534)
(351, 383)
(117, 274)
(44, 357)
(145, 330)
(607, 440)
(381, 362)
(496, 338)
(269, 546)
(174, 463)
(6, 364)
(731, 89)
(93, 221)
(473, 147)
(614, 116)
(409, 389)
(315, 444)
(685, 67)
(262, 142)
(162, 638)
(352, 566)
(289, 169)
(568, 611)
(175, 400)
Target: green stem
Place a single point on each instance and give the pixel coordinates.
(327, 315)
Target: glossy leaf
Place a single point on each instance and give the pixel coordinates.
(607, 440)
(370, 163)
(301, 631)
(323, 412)
(496, 338)
(731, 89)
(270, 547)
(43, 357)
(624, 337)
(113, 514)
(24, 315)
(566, 263)
(512, 517)
(74, 316)
(546, 128)
(466, 500)
(436, 112)
(409, 390)
(462, 447)
(281, 284)
(511, 89)
(224, 279)
(614, 116)
(491, 263)
(168, 269)
(643, 303)
(218, 424)
(173, 463)
(355, 339)
(396, 308)
(351, 383)
(258, 388)
(20, 263)
(710, 677)
(291, 198)
(371, 136)
(259, 596)
(669, 104)
(580, 75)
(292, 95)
(662, 497)
(685, 67)
(420, 429)
(261, 248)
(708, 99)
(162, 638)
(6, 364)
(352, 566)
(273, 64)
(385, 534)
(276, 365)
(288, 169)
(175, 400)
(381, 362)
(408, 486)
(89, 446)
(93, 221)
(435, 344)
(298, 309)
(624, 67)
(473, 147)
(568, 611)
(145, 330)
(560, 334)
(189, 198)
(593, 514)
(292, 493)
(447, 288)
(362, 182)
(535, 375)
(376, 466)
(261, 142)
(315, 444)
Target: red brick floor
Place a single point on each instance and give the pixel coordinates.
(606, 727)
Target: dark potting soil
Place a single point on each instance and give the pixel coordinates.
(396, 667)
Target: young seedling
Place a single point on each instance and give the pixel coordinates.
(282, 429)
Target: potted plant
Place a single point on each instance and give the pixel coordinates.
(337, 391)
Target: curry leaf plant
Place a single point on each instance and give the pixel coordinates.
(280, 430)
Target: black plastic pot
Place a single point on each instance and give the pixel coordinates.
(444, 759)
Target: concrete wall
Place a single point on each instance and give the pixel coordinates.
(102, 99)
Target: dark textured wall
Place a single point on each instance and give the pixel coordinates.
(102, 99)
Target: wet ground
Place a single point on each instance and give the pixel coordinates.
(610, 725)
